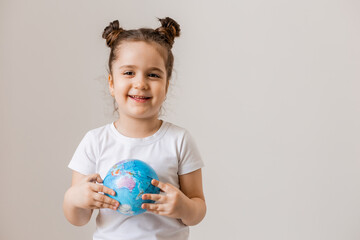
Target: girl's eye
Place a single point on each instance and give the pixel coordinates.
(128, 73)
(154, 75)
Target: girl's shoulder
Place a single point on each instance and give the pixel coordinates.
(179, 132)
(98, 131)
(176, 129)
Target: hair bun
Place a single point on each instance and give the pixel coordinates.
(169, 29)
(111, 32)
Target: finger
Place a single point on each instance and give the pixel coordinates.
(157, 212)
(163, 187)
(154, 197)
(98, 205)
(102, 188)
(106, 201)
(152, 206)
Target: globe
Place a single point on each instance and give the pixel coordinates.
(130, 179)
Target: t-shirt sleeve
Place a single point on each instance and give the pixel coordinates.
(190, 158)
(84, 158)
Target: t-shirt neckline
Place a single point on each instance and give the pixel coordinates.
(150, 139)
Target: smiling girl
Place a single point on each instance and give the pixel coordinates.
(140, 68)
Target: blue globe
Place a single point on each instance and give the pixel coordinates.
(130, 179)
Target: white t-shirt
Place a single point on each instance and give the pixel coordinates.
(171, 151)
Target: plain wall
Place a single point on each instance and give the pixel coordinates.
(269, 90)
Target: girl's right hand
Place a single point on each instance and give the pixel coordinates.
(85, 194)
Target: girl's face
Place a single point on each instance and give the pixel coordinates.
(138, 72)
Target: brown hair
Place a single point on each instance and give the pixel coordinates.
(164, 36)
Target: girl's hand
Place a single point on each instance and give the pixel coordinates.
(86, 194)
(173, 204)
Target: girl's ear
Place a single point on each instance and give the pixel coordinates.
(111, 85)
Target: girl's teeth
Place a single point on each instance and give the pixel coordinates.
(138, 97)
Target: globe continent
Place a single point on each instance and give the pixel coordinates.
(130, 179)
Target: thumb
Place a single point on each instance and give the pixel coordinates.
(94, 178)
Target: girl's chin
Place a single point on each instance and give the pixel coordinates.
(142, 115)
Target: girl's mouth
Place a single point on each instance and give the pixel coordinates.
(140, 99)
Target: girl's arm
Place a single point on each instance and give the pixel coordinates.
(191, 186)
(82, 198)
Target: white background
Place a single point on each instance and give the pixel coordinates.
(269, 90)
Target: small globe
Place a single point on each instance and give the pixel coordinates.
(130, 179)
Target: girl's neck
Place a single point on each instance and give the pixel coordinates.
(137, 128)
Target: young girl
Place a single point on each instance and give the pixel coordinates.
(140, 66)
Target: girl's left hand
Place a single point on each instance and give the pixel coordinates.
(173, 204)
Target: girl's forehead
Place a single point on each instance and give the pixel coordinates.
(140, 53)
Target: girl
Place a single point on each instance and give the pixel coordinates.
(140, 67)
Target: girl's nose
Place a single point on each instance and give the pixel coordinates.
(140, 83)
